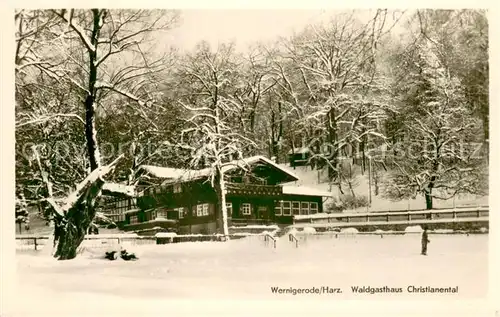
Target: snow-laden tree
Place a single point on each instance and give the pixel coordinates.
(253, 89)
(208, 79)
(438, 159)
(460, 40)
(333, 82)
(105, 56)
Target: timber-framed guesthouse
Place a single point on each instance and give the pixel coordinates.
(258, 191)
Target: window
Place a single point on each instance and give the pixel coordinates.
(180, 212)
(177, 188)
(287, 210)
(134, 219)
(201, 210)
(157, 189)
(314, 208)
(246, 209)
(304, 208)
(162, 214)
(277, 208)
(296, 207)
(229, 209)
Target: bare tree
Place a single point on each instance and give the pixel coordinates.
(210, 134)
(105, 54)
(440, 163)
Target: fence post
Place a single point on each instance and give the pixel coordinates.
(35, 243)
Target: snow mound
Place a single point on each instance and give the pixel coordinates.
(112, 235)
(349, 230)
(271, 233)
(443, 231)
(413, 229)
(165, 234)
(292, 231)
(256, 227)
(309, 230)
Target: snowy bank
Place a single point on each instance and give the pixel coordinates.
(413, 229)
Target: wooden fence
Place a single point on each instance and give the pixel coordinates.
(454, 215)
(107, 241)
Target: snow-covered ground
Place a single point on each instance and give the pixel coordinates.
(248, 269)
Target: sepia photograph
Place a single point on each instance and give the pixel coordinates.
(248, 154)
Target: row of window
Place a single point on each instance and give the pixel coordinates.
(117, 218)
(118, 206)
(287, 208)
(282, 208)
(199, 210)
(172, 188)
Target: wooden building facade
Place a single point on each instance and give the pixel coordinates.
(184, 201)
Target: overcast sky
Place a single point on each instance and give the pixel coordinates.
(242, 26)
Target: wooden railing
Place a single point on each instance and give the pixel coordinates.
(244, 221)
(268, 237)
(293, 238)
(253, 189)
(462, 214)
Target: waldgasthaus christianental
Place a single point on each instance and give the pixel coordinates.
(250, 154)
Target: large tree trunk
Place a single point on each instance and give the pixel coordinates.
(331, 126)
(74, 217)
(78, 217)
(77, 221)
(220, 189)
(428, 194)
(90, 128)
(428, 199)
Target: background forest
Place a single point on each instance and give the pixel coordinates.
(406, 90)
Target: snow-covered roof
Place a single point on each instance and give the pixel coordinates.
(175, 173)
(189, 174)
(254, 159)
(119, 188)
(306, 191)
(300, 150)
(165, 234)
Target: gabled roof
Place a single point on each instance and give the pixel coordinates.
(116, 188)
(189, 174)
(175, 173)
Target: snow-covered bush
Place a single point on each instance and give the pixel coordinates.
(413, 229)
(443, 231)
(346, 202)
(309, 230)
(349, 230)
(291, 231)
(165, 234)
